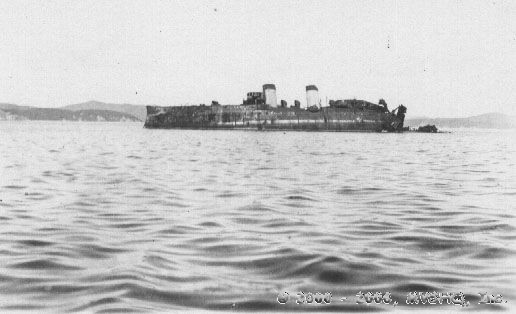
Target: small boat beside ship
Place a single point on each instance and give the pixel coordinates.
(260, 111)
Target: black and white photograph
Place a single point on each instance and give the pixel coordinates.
(257, 156)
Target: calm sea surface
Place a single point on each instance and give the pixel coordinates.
(107, 217)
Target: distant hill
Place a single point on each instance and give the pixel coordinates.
(138, 111)
(14, 112)
(13, 106)
(483, 121)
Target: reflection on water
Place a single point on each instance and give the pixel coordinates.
(107, 217)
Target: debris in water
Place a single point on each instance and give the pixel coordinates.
(427, 129)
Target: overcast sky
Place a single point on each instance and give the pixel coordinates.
(439, 58)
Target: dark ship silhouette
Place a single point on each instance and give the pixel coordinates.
(261, 111)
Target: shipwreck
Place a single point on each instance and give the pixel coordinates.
(261, 111)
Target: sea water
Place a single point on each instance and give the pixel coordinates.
(107, 217)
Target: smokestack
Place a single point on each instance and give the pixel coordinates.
(312, 96)
(269, 93)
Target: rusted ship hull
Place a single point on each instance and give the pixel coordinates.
(260, 118)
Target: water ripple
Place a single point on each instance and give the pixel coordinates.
(111, 218)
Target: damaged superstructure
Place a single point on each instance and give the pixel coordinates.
(261, 111)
